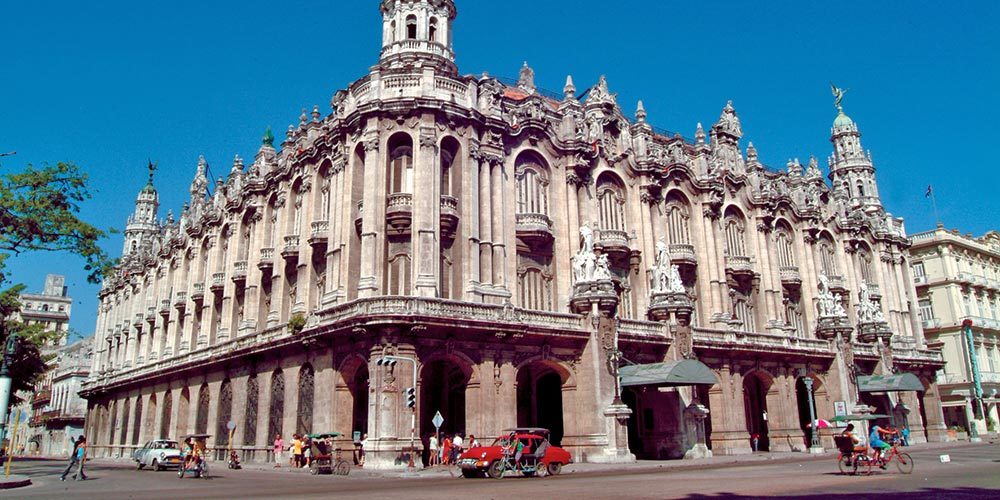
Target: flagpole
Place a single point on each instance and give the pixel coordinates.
(930, 191)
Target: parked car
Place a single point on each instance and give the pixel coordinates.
(489, 460)
(158, 454)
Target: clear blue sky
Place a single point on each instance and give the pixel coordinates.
(109, 84)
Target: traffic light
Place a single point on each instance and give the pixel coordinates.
(411, 397)
(387, 361)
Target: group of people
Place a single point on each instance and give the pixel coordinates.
(300, 451)
(77, 459)
(447, 450)
(878, 439)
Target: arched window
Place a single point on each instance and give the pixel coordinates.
(432, 31)
(743, 311)
(784, 247)
(611, 200)
(411, 27)
(392, 32)
(532, 186)
(137, 421)
(535, 288)
(168, 403)
(250, 419)
(447, 161)
(861, 188)
(793, 317)
(735, 235)
(307, 391)
(678, 221)
(276, 415)
(399, 275)
(828, 258)
(225, 414)
(201, 417)
(400, 164)
(125, 415)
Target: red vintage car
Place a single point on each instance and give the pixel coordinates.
(537, 456)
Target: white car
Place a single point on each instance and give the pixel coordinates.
(158, 454)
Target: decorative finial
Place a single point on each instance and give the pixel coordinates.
(303, 117)
(570, 89)
(640, 113)
(838, 96)
(751, 153)
(526, 81)
(315, 113)
(268, 139)
(699, 134)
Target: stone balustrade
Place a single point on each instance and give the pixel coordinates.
(291, 248)
(683, 254)
(739, 263)
(218, 282)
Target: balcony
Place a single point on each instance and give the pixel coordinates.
(790, 276)
(320, 234)
(164, 307)
(931, 323)
(964, 277)
(399, 213)
(240, 272)
(921, 280)
(739, 265)
(291, 249)
(41, 397)
(612, 242)
(198, 293)
(151, 314)
(534, 229)
(683, 255)
(266, 259)
(874, 290)
(449, 215)
(837, 284)
(137, 322)
(218, 282)
(180, 301)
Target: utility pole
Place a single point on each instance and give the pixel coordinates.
(976, 381)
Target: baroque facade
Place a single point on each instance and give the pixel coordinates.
(518, 245)
(958, 280)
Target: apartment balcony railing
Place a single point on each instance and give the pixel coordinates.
(218, 282)
(266, 259)
(612, 241)
(790, 275)
(291, 249)
(931, 323)
(837, 283)
(240, 271)
(164, 307)
(533, 228)
(874, 290)
(920, 280)
(151, 314)
(198, 292)
(320, 233)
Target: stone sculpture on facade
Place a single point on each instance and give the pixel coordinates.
(872, 325)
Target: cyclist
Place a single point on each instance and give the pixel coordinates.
(859, 445)
(878, 445)
(189, 453)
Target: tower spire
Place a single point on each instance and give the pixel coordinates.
(851, 170)
(418, 32)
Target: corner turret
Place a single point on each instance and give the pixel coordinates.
(142, 224)
(418, 31)
(851, 170)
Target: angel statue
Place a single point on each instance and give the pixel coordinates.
(838, 95)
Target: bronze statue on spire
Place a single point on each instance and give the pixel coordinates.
(838, 95)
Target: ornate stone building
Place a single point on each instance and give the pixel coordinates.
(519, 246)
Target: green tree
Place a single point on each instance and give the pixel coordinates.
(39, 211)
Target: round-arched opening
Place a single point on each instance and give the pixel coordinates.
(539, 398)
(805, 397)
(755, 388)
(443, 383)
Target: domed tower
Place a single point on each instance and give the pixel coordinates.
(851, 169)
(142, 224)
(417, 32)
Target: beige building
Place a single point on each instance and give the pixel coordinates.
(958, 279)
(517, 245)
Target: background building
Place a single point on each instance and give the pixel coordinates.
(518, 245)
(958, 279)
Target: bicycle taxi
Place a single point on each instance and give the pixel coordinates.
(854, 458)
(326, 459)
(196, 465)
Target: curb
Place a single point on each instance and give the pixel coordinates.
(14, 481)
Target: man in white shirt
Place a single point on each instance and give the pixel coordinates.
(456, 446)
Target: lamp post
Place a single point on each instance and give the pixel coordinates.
(976, 381)
(814, 435)
(6, 382)
(411, 400)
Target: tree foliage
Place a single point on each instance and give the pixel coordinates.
(39, 210)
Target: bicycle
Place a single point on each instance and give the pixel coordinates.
(851, 461)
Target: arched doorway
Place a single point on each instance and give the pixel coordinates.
(442, 388)
(358, 387)
(539, 398)
(755, 388)
(802, 398)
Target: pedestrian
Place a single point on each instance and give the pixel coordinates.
(473, 443)
(307, 451)
(432, 444)
(361, 450)
(456, 447)
(279, 449)
(297, 450)
(75, 458)
(446, 451)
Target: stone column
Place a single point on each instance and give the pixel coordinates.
(499, 215)
(373, 217)
(729, 431)
(485, 223)
(471, 211)
(425, 244)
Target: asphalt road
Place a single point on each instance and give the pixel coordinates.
(974, 472)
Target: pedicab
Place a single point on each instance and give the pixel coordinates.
(197, 465)
(525, 451)
(326, 460)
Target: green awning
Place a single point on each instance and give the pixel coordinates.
(890, 383)
(670, 373)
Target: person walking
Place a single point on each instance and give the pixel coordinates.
(279, 450)
(457, 444)
(446, 451)
(297, 450)
(75, 459)
(432, 444)
(361, 450)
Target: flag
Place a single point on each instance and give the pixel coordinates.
(930, 192)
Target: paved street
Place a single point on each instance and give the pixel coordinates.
(973, 473)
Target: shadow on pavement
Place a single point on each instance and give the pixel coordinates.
(925, 493)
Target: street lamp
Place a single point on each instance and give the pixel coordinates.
(976, 381)
(814, 435)
(410, 395)
(6, 382)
